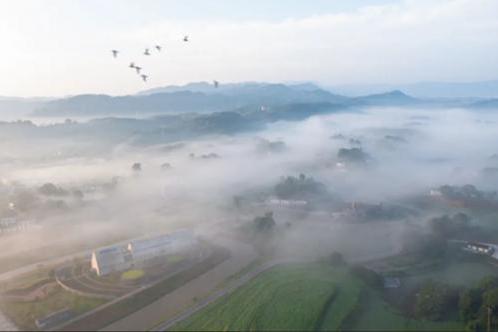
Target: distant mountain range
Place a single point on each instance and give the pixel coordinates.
(195, 97)
(483, 89)
(203, 97)
(182, 115)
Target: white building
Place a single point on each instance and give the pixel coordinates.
(111, 259)
(145, 249)
(121, 258)
(480, 248)
(435, 193)
(286, 202)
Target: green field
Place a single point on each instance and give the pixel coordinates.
(175, 258)
(285, 298)
(306, 297)
(374, 313)
(132, 275)
(344, 303)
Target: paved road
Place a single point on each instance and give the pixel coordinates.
(183, 297)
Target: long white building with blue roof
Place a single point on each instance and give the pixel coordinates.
(120, 258)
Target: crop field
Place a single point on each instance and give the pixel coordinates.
(306, 297)
(349, 290)
(292, 297)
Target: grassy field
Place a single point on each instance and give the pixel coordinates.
(26, 280)
(175, 258)
(375, 314)
(25, 314)
(307, 297)
(285, 298)
(132, 275)
(345, 302)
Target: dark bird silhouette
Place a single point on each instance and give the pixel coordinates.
(144, 77)
(216, 83)
(138, 69)
(115, 53)
(185, 39)
(158, 48)
(146, 52)
(132, 65)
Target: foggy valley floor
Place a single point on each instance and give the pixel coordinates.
(340, 220)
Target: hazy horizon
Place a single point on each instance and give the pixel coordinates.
(332, 165)
(63, 48)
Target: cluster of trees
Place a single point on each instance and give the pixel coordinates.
(50, 189)
(264, 224)
(136, 167)
(336, 259)
(353, 155)
(300, 188)
(478, 306)
(369, 212)
(466, 192)
(435, 301)
(211, 155)
(266, 146)
(369, 277)
(450, 226)
(394, 138)
(424, 245)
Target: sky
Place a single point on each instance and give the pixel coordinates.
(63, 47)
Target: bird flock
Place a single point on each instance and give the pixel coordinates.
(147, 52)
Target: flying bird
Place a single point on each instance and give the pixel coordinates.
(216, 83)
(115, 53)
(146, 52)
(138, 69)
(144, 77)
(185, 39)
(158, 48)
(132, 65)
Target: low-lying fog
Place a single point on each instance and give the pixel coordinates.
(193, 183)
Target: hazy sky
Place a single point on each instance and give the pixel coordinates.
(60, 47)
